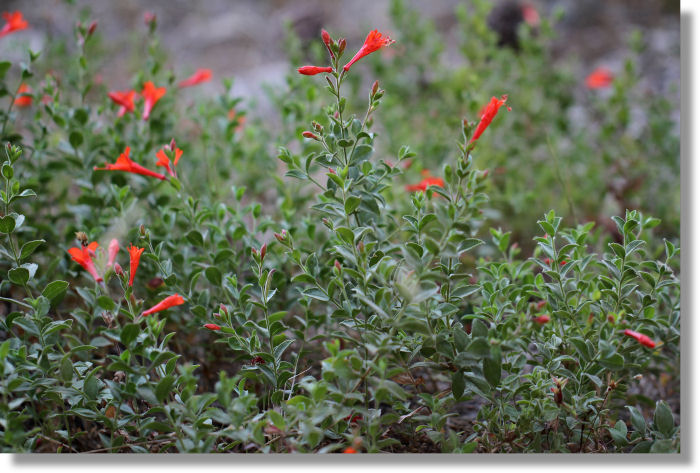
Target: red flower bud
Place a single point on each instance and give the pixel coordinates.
(641, 338)
(542, 319)
(263, 251)
(212, 327)
(308, 134)
(349, 450)
(313, 70)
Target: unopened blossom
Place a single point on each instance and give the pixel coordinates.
(112, 251)
(349, 450)
(83, 256)
(542, 319)
(124, 163)
(164, 160)
(600, 78)
(212, 327)
(201, 75)
(167, 303)
(641, 338)
(23, 96)
(13, 22)
(313, 70)
(151, 95)
(134, 258)
(124, 99)
(308, 134)
(374, 41)
(487, 115)
(327, 41)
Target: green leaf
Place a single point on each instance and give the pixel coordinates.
(54, 291)
(29, 247)
(75, 139)
(4, 67)
(619, 433)
(663, 419)
(213, 275)
(129, 333)
(458, 384)
(7, 224)
(492, 371)
(615, 362)
(18, 276)
(66, 369)
(164, 387)
(351, 203)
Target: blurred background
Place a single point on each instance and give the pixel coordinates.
(246, 38)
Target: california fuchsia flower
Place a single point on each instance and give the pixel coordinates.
(374, 41)
(134, 258)
(127, 165)
(213, 327)
(112, 250)
(13, 22)
(125, 100)
(83, 256)
(427, 181)
(313, 70)
(600, 78)
(151, 94)
(641, 338)
(164, 160)
(23, 96)
(542, 319)
(167, 303)
(202, 75)
(349, 450)
(487, 115)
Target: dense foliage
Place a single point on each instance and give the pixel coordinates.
(416, 270)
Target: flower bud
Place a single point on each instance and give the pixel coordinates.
(375, 87)
(337, 265)
(118, 269)
(212, 327)
(223, 309)
(263, 251)
(142, 230)
(91, 29)
(281, 236)
(341, 46)
(308, 134)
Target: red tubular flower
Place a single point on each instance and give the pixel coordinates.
(202, 75)
(83, 256)
(112, 251)
(125, 100)
(349, 450)
(134, 258)
(487, 115)
(423, 185)
(13, 22)
(127, 165)
(374, 41)
(151, 94)
(23, 97)
(600, 78)
(167, 303)
(212, 327)
(313, 70)
(641, 338)
(164, 160)
(542, 319)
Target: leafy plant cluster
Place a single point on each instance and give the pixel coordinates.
(324, 307)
